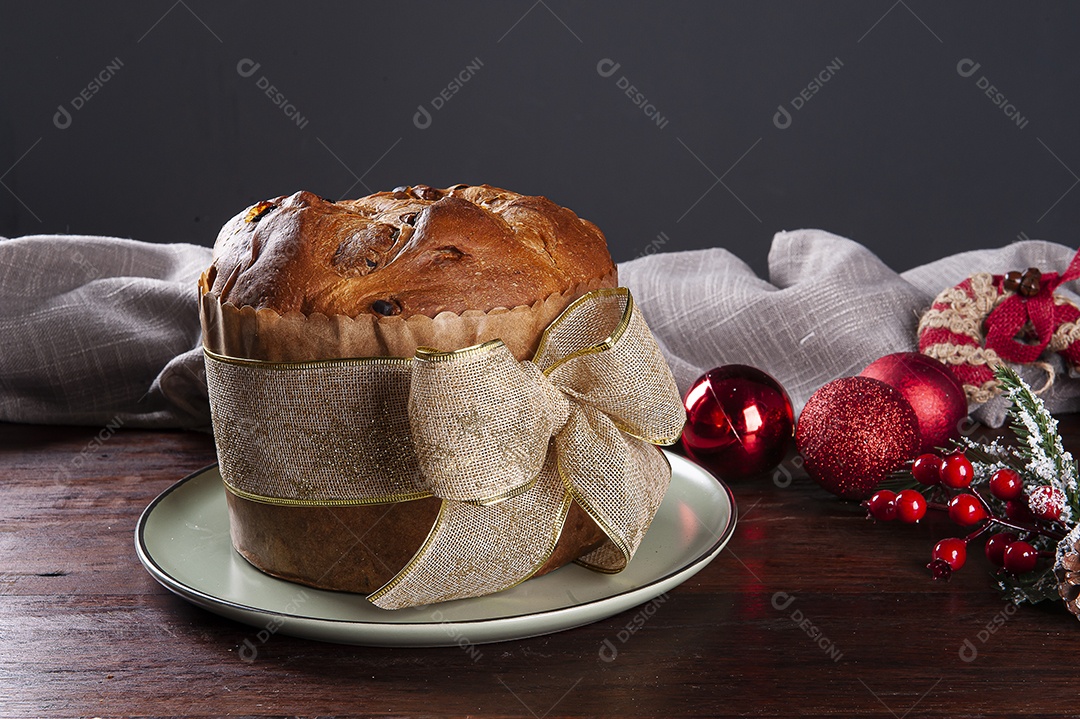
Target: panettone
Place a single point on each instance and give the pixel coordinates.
(414, 251)
(302, 278)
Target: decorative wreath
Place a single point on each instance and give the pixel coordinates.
(990, 319)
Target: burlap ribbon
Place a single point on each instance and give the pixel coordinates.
(505, 444)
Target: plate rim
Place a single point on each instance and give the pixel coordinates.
(197, 596)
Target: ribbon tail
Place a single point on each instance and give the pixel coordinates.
(620, 487)
(476, 550)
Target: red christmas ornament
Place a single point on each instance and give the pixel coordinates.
(1016, 317)
(853, 432)
(739, 421)
(931, 389)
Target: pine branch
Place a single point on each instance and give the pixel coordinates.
(1038, 432)
(1033, 591)
(989, 454)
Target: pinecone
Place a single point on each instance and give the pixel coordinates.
(1067, 570)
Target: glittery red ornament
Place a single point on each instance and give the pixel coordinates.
(853, 432)
(739, 421)
(931, 389)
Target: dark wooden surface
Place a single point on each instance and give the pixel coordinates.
(85, 631)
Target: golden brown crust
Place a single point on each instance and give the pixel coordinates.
(414, 251)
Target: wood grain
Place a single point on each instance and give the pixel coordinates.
(85, 631)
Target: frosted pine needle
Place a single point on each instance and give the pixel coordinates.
(1041, 447)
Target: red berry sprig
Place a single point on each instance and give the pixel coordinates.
(950, 486)
(882, 505)
(1006, 484)
(927, 469)
(995, 547)
(1020, 499)
(956, 471)
(966, 510)
(910, 506)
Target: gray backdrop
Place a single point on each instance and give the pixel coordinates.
(918, 128)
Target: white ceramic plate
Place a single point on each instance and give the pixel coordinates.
(183, 541)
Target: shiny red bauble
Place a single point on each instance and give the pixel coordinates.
(853, 432)
(931, 389)
(739, 421)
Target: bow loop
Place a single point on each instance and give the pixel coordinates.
(481, 422)
(557, 403)
(601, 353)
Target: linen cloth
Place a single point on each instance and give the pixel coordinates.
(100, 330)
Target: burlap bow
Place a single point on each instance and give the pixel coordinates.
(579, 419)
(1040, 312)
(506, 444)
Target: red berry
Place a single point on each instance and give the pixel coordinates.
(1017, 511)
(927, 469)
(996, 545)
(966, 510)
(956, 471)
(939, 569)
(1020, 557)
(910, 506)
(1046, 503)
(882, 505)
(952, 550)
(1006, 484)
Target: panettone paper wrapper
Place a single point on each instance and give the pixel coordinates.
(269, 336)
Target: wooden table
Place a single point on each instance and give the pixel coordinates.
(861, 629)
